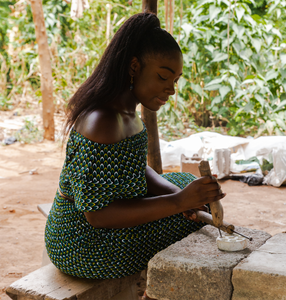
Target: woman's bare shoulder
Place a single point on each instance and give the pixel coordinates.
(102, 126)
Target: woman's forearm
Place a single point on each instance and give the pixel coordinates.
(157, 185)
(123, 213)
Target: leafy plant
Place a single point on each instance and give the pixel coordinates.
(29, 133)
(233, 72)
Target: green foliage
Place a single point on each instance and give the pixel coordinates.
(233, 77)
(5, 104)
(29, 133)
(75, 46)
(234, 60)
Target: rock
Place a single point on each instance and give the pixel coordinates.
(262, 275)
(194, 268)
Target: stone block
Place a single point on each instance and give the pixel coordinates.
(194, 268)
(262, 275)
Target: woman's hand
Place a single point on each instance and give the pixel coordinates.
(191, 215)
(200, 192)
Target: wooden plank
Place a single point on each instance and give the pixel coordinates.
(38, 284)
(49, 283)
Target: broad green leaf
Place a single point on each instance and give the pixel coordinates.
(203, 2)
(281, 105)
(181, 84)
(213, 87)
(259, 82)
(249, 19)
(258, 19)
(259, 76)
(279, 132)
(268, 27)
(248, 81)
(239, 30)
(256, 44)
(248, 107)
(239, 12)
(210, 48)
(281, 123)
(224, 90)
(225, 42)
(269, 39)
(271, 75)
(220, 57)
(232, 82)
(213, 12)
(269, 126)
(234, 67)
(260, 99)
(236, 47)
(277, 32)
(215, 81)
(249, 77)
(187, 28)
(197, 88)
(216, 100)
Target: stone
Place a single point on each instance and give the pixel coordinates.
(262, 275)
(194, 268)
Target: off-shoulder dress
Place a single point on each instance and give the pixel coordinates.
(94, 175)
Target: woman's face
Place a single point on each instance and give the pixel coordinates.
(155, 82)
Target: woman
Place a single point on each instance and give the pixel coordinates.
(102, 224)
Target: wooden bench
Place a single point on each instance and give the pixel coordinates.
(49, 283)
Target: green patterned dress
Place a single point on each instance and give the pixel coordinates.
(94, 175)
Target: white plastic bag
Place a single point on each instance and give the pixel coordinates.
(277, 176)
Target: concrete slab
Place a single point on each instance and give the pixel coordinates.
(194, 268)
(262, 275)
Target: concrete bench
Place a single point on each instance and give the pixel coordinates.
(49, 283)
(195, 269)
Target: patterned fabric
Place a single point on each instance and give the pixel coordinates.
(94, 175)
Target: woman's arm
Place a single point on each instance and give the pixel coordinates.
(123, 213)
(157, 185)
(109, 127)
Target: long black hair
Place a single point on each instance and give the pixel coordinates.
(139, 36)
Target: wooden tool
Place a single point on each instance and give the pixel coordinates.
(216, 219)
(216, 207)
(207, 218)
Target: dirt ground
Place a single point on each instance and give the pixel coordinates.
(22, 225)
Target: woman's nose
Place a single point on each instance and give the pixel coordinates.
(171, 89)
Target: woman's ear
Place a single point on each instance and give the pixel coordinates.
(134, 66)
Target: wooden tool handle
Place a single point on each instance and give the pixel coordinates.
(207, 218)
(216, 207)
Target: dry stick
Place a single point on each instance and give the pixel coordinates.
(171, 16)
(108, 6)
(166, 13)
(228, 36)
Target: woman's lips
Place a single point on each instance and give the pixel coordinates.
(162, 102)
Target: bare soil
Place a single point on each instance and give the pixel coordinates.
(22, 225)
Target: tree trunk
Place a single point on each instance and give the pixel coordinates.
(150, 117)
(46, 70)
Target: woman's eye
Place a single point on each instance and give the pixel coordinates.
(161, 77)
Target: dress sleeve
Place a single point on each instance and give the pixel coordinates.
(98, 174)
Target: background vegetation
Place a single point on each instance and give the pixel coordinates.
(234, 60)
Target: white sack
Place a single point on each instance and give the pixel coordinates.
(277, 176)
(171, 151)
(263, 145)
